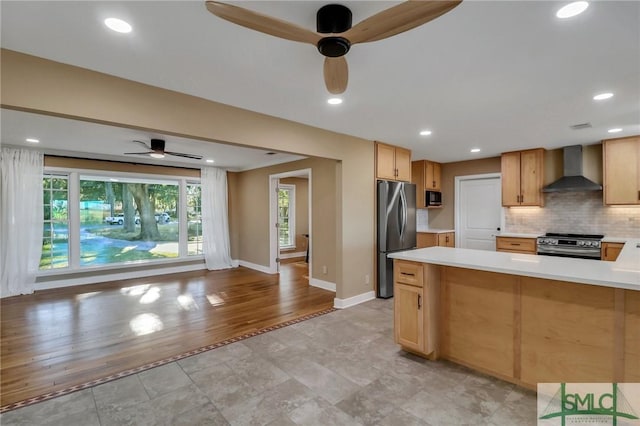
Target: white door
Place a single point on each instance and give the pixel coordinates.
(479, 212)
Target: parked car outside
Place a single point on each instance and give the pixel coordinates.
(163, 218)
(119, 219)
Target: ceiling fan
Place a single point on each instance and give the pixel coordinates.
(156, 150)
(335, 35)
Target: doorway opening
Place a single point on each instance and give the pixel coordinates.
(479, 215)
(290, 220)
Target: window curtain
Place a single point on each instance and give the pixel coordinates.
(215, 219)
(21, 220)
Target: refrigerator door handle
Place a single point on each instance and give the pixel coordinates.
(403, 223)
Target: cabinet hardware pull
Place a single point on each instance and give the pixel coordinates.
(638, 195)
(515, 244)
(419, 301)
(407, 274)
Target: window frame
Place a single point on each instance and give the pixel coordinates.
(50, 221)
(291, 218)
(73, 214)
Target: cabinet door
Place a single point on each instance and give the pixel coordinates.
(424, 239)
(531, 177)
(409, 316)
(418, 179)
(403, 164)
(610, 251)
(510, 167)
(447, 239)
(622, 171)
(432, 176)
(385, 162)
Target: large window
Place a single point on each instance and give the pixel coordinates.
(119, 219)
(55, 235)
(124, 220)
(286, 216)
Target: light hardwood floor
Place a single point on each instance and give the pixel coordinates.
(54, 339)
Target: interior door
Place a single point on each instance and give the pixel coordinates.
(480, 213)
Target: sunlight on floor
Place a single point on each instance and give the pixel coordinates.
(187, 303)
(136, 290)
(145, 324)
(83, 296)
(215, 300)
(150, 296)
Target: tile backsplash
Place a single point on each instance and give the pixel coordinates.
(575, 212)
(422, 219)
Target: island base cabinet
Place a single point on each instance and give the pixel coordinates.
(567, 332)
(416, 307)
(478, 320)
(521, 329)
(631, 339)
(409, 317)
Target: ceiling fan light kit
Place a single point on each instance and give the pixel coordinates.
(336, 20)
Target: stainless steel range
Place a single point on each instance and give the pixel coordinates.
(582, 246)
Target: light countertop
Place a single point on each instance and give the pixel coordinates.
(623, 273)
(434, 231)
(517, 235)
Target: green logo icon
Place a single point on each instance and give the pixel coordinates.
(589, 405)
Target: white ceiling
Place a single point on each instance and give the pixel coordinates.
(60, 136)
(497, 75)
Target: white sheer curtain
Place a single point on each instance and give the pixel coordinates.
(21, 219)
(215, 220)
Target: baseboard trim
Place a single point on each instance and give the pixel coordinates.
(255, 267)
(325, 285)
(355, 300)
(292, 255)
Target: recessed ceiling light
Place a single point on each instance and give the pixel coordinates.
(156, 155)
(616, 130)
(475, 149)
(602, 96)
(114, 180)
(425, 133)
(209, 160)
(572, 9)
(334, 101)
(32, 140)
(117, 25)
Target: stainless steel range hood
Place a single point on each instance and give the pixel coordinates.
(572, 181)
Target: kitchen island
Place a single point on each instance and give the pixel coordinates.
(523, 318)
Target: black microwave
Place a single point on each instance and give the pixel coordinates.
(432, 198)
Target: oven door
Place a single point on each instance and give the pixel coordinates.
(575, 252)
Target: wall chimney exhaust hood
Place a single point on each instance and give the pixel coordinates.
(572, 181)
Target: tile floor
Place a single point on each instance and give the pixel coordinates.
(342, 368)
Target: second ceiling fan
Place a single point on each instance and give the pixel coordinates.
(335, 35)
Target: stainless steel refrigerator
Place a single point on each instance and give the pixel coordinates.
(396, 228)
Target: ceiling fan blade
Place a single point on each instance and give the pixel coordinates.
(263, 23)
(398, 19)
(139, 153)
(142, 143)
(180, 154)
(336, 74)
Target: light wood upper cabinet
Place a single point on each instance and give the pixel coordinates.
(621, 161)
(426, 176)
(522, 178)
(393, 163)
(610, 251)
